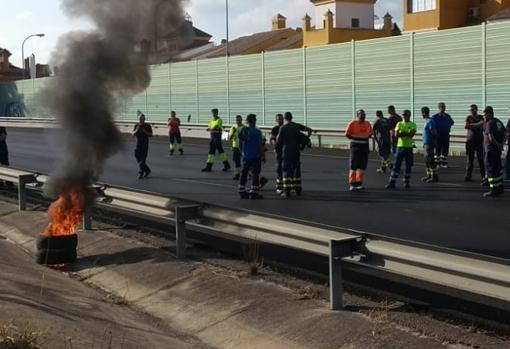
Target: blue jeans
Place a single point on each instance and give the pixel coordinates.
(403, 154)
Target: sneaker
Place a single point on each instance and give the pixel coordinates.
(443, 166)
(285, 195)
(226, 169)
(236, 177)
(263, 182)
(207, 169)
(146, 174)
(244, 195)
(407, 185)
(360, 187)
(390, 185)
(181, 151)
(426, 179)
(140, 175)
(279, 191)
(352, 188)
(467, 178)
(380, 170)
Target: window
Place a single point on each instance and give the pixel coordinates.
(355, 23)
(421, 5)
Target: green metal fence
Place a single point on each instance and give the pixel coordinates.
(323, 86)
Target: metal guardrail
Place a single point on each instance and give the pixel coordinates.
(192, 130)
(472, 277)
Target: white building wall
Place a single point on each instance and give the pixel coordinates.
(344, 12)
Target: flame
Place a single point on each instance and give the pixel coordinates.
(66, 213)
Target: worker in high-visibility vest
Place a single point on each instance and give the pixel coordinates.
(359, 131)
(233, 134)
(215, 128)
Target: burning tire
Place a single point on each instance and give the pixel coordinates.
(52, 250)
(67, 242)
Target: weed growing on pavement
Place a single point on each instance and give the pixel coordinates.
(15, 337)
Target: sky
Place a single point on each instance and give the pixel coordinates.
(22, 18)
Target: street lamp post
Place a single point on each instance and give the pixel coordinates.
(23, 53)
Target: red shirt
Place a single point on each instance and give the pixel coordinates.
(173, 125)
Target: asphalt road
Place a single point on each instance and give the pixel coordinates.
(451, 213)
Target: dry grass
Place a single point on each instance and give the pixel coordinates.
(15, 337)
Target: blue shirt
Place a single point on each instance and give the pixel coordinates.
(251, 143)
(428, 137)
(444, 123)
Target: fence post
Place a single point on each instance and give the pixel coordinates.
(197, 91)
(305, 102)
(484, 64)
(353, 83)
(227, 65)
(263, 55)
(147, 105)
(411, 58)
(170, 87)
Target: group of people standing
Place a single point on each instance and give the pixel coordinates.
(394, 135)
(486, 137)
(249, 153)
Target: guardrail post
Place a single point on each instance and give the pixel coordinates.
(22, 195)
(337, 251)
(182, 214)
(87, 220)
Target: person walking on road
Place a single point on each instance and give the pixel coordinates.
(278, 153)
(474, 143)
(494, 137)
(394, 119)
(142, 131)
(215, 128)
(404, 131)
(429, 145)
(174, 132)
(359, 132)
(253, 154)
(444, 123)
(382, 135)
(233, 134)
(4, 152)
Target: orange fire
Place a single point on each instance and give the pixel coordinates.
(66, 213)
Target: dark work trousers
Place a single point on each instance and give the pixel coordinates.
(403, 154)
(236, 157)
(384, 149)
(442, 149)
(507, 163)
(279, 169)
(359, 156)
(175, 138)
(494, 169)
(394, 141)
(291, 166)
(474, 148)
(430, 160)
(141, 158)
(253, 166)
(4, 158)
(216, 146)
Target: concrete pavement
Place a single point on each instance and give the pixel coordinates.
(451, 213)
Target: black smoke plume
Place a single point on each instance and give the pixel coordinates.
(95, 69)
